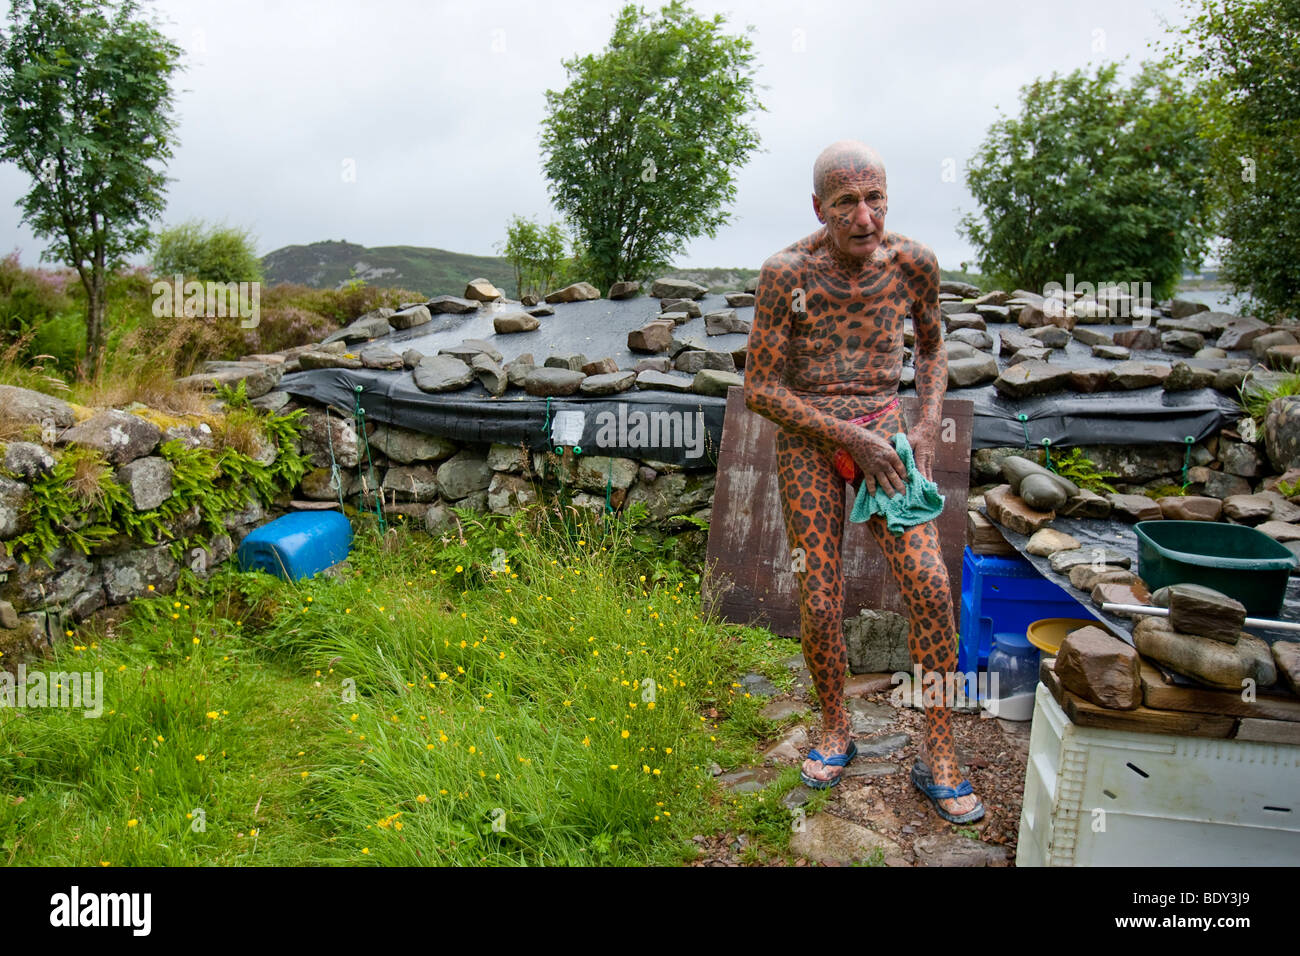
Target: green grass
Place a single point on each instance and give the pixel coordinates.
(415, 708)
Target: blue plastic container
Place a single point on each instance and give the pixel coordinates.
(1004, 594)
(298, 545)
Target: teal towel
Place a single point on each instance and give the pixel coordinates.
(919, 501)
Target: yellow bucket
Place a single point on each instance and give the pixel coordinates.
(1048, 634)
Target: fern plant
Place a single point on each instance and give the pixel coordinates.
(1079, 469)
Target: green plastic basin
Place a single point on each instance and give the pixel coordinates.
(1238, 561)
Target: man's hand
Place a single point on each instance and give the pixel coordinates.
(922, 439)
(879, 462)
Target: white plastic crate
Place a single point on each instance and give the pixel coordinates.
(1117, 798)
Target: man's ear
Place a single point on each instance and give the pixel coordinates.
(817, 208)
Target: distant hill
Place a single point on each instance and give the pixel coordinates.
(330, 264)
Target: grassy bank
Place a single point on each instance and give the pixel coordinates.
(558, 701)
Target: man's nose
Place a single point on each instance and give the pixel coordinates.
(864, 213)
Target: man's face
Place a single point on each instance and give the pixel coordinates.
(854, 210)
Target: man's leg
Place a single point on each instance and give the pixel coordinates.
(812, 500)
(917, 564)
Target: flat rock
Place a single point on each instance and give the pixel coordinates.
(1184, 377)
(666, 381)
(1051, 336)
(1115, 353)
(1113, 592)
(578, 292)
(381, 357)
(1062, 561)
(1008, 510)
(28, 407)
(1137, 339)
(1134, 507)
(451, 304)
(781, 709)
(969, 372)
(1029, 355)
(1047, 541)
(410, 318)
(1248, 509)
(1286, 656)
(824, 838)
(441, 373)
(1206, 612)
(882, 745)
(608, 383)
(1214, 662)
(1241, 333)
(1190, 508)
(466, 349)
(119, 436)
(1085, 577)
(509, 322)
(1131, 375)
(1280, 531)
(1086, 504)
(1092, 337)
(1089, 379)
(1031, 378)
(677, 288)
(709, 381)
(553, 381)
(953, 849)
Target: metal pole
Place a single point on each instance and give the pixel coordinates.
(1164, 612)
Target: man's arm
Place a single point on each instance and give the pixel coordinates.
(765, 357)
(921, 269)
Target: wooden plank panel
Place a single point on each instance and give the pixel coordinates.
(1159, 693)
(749, 555)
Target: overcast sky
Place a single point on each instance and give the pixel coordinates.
(437, 107)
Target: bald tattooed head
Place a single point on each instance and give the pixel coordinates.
(847, 160)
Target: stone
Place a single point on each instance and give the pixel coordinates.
(578, 292)
(954, 849)
(119, 436)
(1115, 592)
(1261, 345)
(128, 574)
(1089, 380)
(659, 364)
(1282, 432)
(1190, 508)
(715, 382)
(1051, 336)
(1217, 484)
(1286, 657)
(1091, 337)
(1062, 561)
(1085, 577)
(677, 288)
(623, 290)
(608, 383)
(417, 483)
(1183, 377)
(1047, 541)
(824, 838)
(1182, 308)
(410, 318)
(692, 360)
(324, 434)
(787, 750)
(466, 349)
(492, 376)
(1241, 333)
(725, 322)
(451, 304)
(441, 373)
(1181, 342)
(316, 360)
(739, 300)
(573, 361)
(604, 366)
(1029, 355)
(1086, 504)
(381, 357)
(748, 779)
(372, 325)
(1280, 531)
(540, 311)
(1008, 510)
(877, 642)
(258, 377)
(1031, 378)
(1248, 509)
(1011, 341)
(1042, 493)
(405, 446)
(1240, 459)
(965, 320)
(594, 471)
(482, 290)
(1134, 507)
(553, 381)
(975, 338)
(665, 381)
(882, 745)
(1213, 662)
(983, 537)
(462, 474)
(958, 288)
(27, 407)
(1139, 338)
(27, 459)
(148, 480)
(690, 307)
(781, 709)
(1131, 375)
(411, 358)
(1206, 612)
(651, 337)
(969, 372)
(510, 322)
(1100, 668)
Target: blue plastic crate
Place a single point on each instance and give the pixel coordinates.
(298, 545)
(1004, 594)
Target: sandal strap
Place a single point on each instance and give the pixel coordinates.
(835, 760)
(947, 793)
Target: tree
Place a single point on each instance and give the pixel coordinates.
(537, 255)
(84, 110)
(1101, 182)
(219, 253)
(1245, 60)
(641, 145)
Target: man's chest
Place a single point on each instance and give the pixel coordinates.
(863, 311)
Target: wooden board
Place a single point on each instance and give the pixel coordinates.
(1269, 731)
(1142, 720)
(749, 555)
(1159, 693)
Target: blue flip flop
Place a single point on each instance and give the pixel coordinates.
(935, 793)
(836, 760)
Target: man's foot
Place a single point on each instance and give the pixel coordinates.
(824, 774)
(957, 806)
